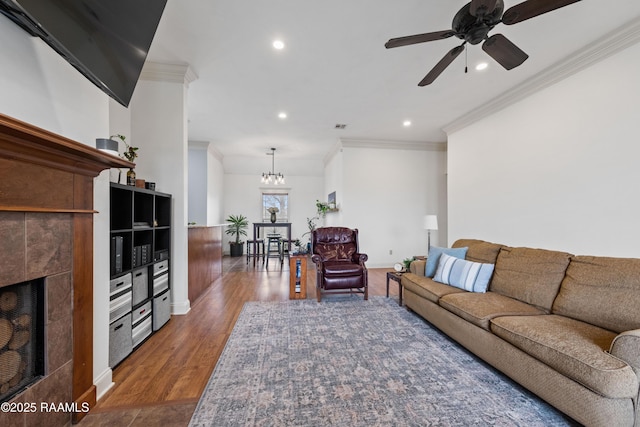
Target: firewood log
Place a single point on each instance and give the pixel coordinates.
(15, 380)
(23, 321)
(19, 339)
(6, 331)
(8, 300)
(9, 365)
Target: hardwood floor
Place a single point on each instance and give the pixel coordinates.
(161, 382)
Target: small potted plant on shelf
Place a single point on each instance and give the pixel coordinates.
(322, 208)
(130, 153)
(237, 227)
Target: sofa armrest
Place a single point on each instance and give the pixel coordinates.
(418, 266)
(626, 346)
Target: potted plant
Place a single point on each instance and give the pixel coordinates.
(130, 154)
(312, 226)
(322, 208)
(237, 227)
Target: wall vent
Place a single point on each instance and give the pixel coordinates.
(340, 126)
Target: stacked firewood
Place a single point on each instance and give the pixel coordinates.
(15, 333)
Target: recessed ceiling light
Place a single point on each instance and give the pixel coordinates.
(282, 115)
(481, 66)
(278, 44)
(406, 123)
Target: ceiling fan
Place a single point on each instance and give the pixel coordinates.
(472, 24)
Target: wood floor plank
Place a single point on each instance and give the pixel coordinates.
(174, 365)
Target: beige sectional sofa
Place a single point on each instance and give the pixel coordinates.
(565, 327)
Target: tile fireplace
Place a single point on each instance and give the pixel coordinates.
(46, 237)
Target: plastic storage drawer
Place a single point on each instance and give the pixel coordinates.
(160, 267)
(142, 325)
(120, 342)
(119, 297)
(161, 310)
(140, 285)
(119, 284)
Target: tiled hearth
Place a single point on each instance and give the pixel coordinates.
(46, 231)
(39, 245)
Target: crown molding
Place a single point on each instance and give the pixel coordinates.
(610, 44)
(173, 73)
(208, 147)
(383, 144)
(332, 153)
(393, 145)
(198, 145)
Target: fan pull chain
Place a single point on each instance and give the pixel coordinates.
(466, 60)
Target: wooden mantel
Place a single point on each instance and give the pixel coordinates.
(44, 172)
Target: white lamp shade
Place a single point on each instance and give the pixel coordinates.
(431, 222)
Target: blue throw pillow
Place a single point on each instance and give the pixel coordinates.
(467, 275)
(434, 257)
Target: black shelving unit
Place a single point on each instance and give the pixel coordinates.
(140, 227)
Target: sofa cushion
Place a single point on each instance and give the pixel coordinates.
(463, 274)
(573, 348)
(530, 275)
(426, 287)
(479, 309)
(479, 250)
(434, 257)
(602, 291)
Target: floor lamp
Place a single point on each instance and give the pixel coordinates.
(430, 223)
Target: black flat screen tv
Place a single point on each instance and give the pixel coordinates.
(106, 40)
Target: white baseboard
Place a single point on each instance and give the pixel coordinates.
(103, 383)
(180, 308)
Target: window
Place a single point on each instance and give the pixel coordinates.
(279, 201)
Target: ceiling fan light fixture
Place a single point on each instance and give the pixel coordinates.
(406, 123)
(282, 115)
(482, 66)
(278, 44)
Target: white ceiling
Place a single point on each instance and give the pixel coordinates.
(335, 69)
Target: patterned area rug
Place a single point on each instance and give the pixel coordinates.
(349, 362)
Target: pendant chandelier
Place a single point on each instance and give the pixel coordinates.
(272, 177)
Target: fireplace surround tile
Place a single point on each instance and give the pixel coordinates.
(59, 297)
(12, 230)
(49, 244)
(59, 343)
(54, 389)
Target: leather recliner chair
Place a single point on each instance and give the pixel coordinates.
(340, 267)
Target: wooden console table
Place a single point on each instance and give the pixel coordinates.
(298, 277)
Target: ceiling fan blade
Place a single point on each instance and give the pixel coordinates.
(419, 38)
(531, 9)
(482, 7)
(504, 52)
(440, 66)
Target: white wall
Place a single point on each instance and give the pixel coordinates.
(41, 88)
(243, 196)
(206, 177)
(215, 187)
(159, 129)
(558, 170)
(385, 194)
(198, 183)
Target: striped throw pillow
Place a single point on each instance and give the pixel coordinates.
(463, 274)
